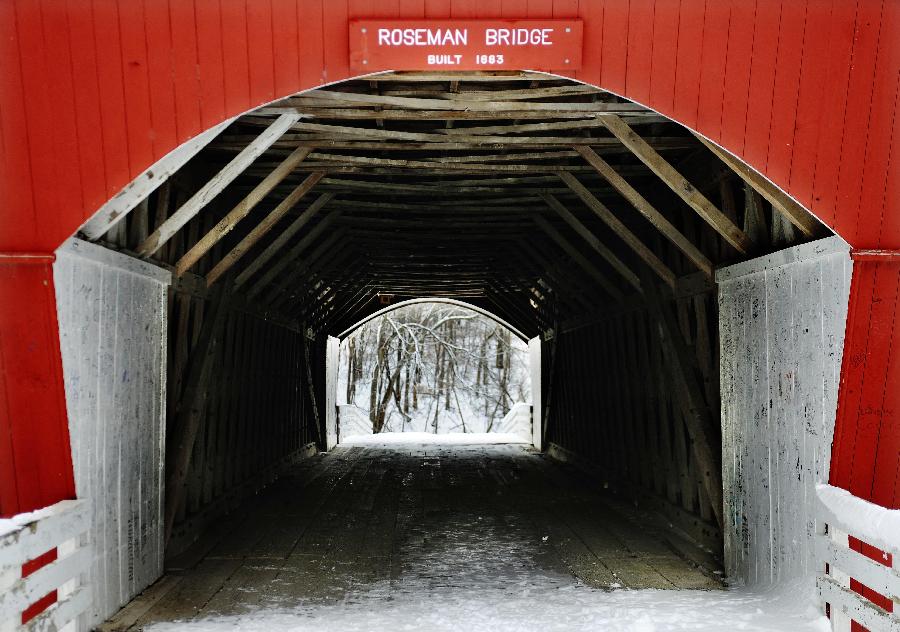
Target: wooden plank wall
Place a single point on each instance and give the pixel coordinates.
(257, 416)
(613, 406)
(112, 315)
(782, 334)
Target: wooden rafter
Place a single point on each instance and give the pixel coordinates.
(579, 258)
(436, 185)
(646, 209)
(624, 233)
(675, 181)
(283, 238)
(292, 254)
(781, 201)
(215, 185)
(593, 241)
(261, 229)
(241, 210)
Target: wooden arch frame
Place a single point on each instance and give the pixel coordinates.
(349, 331)
(816, 118)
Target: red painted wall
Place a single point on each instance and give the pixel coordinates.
(806, 91)
(35, 458)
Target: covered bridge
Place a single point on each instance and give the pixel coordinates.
(691, 210)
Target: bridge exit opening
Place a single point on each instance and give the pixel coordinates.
(684, 318)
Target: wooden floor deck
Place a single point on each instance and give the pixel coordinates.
(367, 520)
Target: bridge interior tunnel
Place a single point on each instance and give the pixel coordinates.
(666, 284)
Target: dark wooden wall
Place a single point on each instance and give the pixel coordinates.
(613, 407)
(257, 416)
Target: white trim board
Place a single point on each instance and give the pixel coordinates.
(98, 254)
(804, 252)
(117, 207)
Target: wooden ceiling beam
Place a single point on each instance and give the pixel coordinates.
(795, 213)
(579, 258)
(298, 266)
(273, 270)
(283, 238)
(215, 185)
(320, 135)
(562, 284)
(241, 210)
(117, 208)
(592, 240)
(622, 231)
(646, 209)
(326, 97)
(516, 94)
(341, 160)
(675, 181)
(261, 229)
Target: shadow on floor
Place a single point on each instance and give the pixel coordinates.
(395, 523)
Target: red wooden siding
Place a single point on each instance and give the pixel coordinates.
(806, 91)
(866, 460)
(35, 457)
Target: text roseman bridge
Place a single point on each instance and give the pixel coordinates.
(690, 212)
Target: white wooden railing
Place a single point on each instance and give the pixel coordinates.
(840, 514)
(517, 421)
(64, 527)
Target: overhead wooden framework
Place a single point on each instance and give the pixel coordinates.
(534, 197)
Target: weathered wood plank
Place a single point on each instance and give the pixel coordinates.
(624, 233)
(593, 241)
(261, 229)
(191, 408)
(785, 204)
(646, 209)
(688, 393)
(675, 181)
(116, 209)
(241, 210)
(215, 185)
(576, 256)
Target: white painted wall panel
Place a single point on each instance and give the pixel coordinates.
(112, 316)
(332, 364)
(537, 406)
(781, 334)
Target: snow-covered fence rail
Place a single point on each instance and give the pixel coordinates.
(63, 527)
(840, 515)
(352, 421)
(517, 421)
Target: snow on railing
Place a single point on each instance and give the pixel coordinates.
(63, 527)
(517, 421)
(840, 515)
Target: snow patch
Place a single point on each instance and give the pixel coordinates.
(867, 521)
(530, 608)
(8, 525)
(427, 438)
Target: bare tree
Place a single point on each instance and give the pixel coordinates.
(452, 359)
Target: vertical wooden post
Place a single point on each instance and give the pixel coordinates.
(192, 406)
(688, 393)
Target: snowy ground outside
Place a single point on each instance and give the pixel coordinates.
(426, 438)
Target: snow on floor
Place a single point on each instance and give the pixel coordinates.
(536, 608)
(427, 438)
(481, 567)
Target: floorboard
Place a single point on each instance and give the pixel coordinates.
(393, 519)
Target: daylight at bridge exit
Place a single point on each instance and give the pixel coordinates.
(450, 315)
